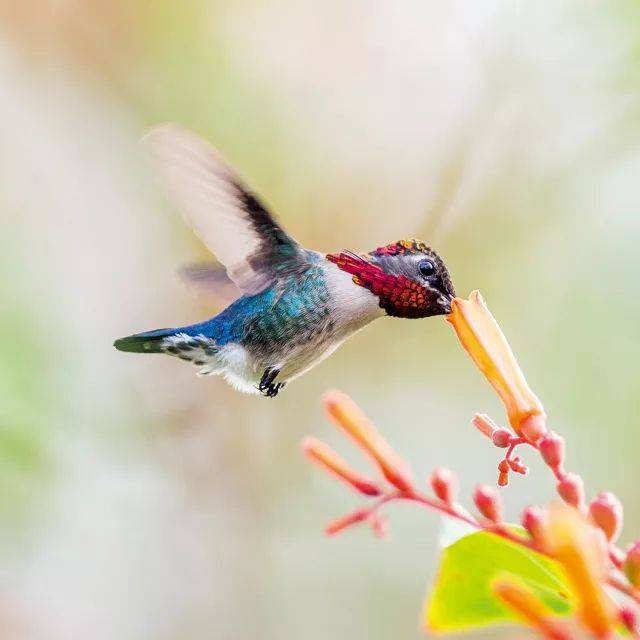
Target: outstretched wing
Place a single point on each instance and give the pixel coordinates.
(210, 278)
(225, 215)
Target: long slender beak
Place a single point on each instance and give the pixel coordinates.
(445, 301)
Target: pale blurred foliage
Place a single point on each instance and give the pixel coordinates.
(138, 501)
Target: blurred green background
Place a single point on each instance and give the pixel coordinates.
(139, 501)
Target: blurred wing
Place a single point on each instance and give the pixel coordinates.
(211, 278)
(224, 214)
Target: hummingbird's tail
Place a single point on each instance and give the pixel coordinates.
(147, 342)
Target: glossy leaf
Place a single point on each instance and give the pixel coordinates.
(461, 597)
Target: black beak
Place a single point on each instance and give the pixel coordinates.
(445, 301)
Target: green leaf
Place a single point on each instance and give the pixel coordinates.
(461, 597)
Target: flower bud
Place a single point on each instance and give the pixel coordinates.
(552, 450)
(501, 438)
(571, 490)
(605, 512)
(444, 484)
(631, 565)
(347, 415)
(517, 466)
(533, 520)
(488, 502)
(504, 466)
(325, 457)
(347, 521)
(484, 424)
(503, 473)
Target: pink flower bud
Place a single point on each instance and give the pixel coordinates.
(571, 490)
(503, 473)
(484, 424)
(444, 484)
(606, 512)
(533, 520)
(501, 438)
(326, 458)
(552, 450)
(517, 466)
(632, 564)
(347, 521)
(488, 502)
(347, 415)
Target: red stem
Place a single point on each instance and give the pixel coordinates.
(512, 446)
(499, 529)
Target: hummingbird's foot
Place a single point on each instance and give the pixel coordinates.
(272, 390)
(268, 387)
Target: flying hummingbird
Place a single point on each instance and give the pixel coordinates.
(297, 305)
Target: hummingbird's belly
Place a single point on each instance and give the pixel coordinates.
(299, 361)
(244, 365)
(299, 355)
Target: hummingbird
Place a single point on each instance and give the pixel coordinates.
(297, 305)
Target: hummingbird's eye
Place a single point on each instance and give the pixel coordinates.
(426, 268)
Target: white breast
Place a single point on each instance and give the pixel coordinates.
(353, 305)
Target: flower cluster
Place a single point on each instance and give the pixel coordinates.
(480, 334)
(581, 538)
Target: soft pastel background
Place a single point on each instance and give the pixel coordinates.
(138, 501)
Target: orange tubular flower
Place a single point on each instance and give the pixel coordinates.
(576, 546)
(328, 459)
(530, 609)
(348, 416)
(481, 336)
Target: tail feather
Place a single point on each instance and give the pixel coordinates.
(147, 342)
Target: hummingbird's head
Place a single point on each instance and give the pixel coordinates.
(409, 278)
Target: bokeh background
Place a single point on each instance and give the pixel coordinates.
(139, 501)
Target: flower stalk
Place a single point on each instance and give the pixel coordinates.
(580, 538)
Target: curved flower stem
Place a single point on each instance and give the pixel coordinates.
(513, 444)
(616, 556)
(499, 529)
